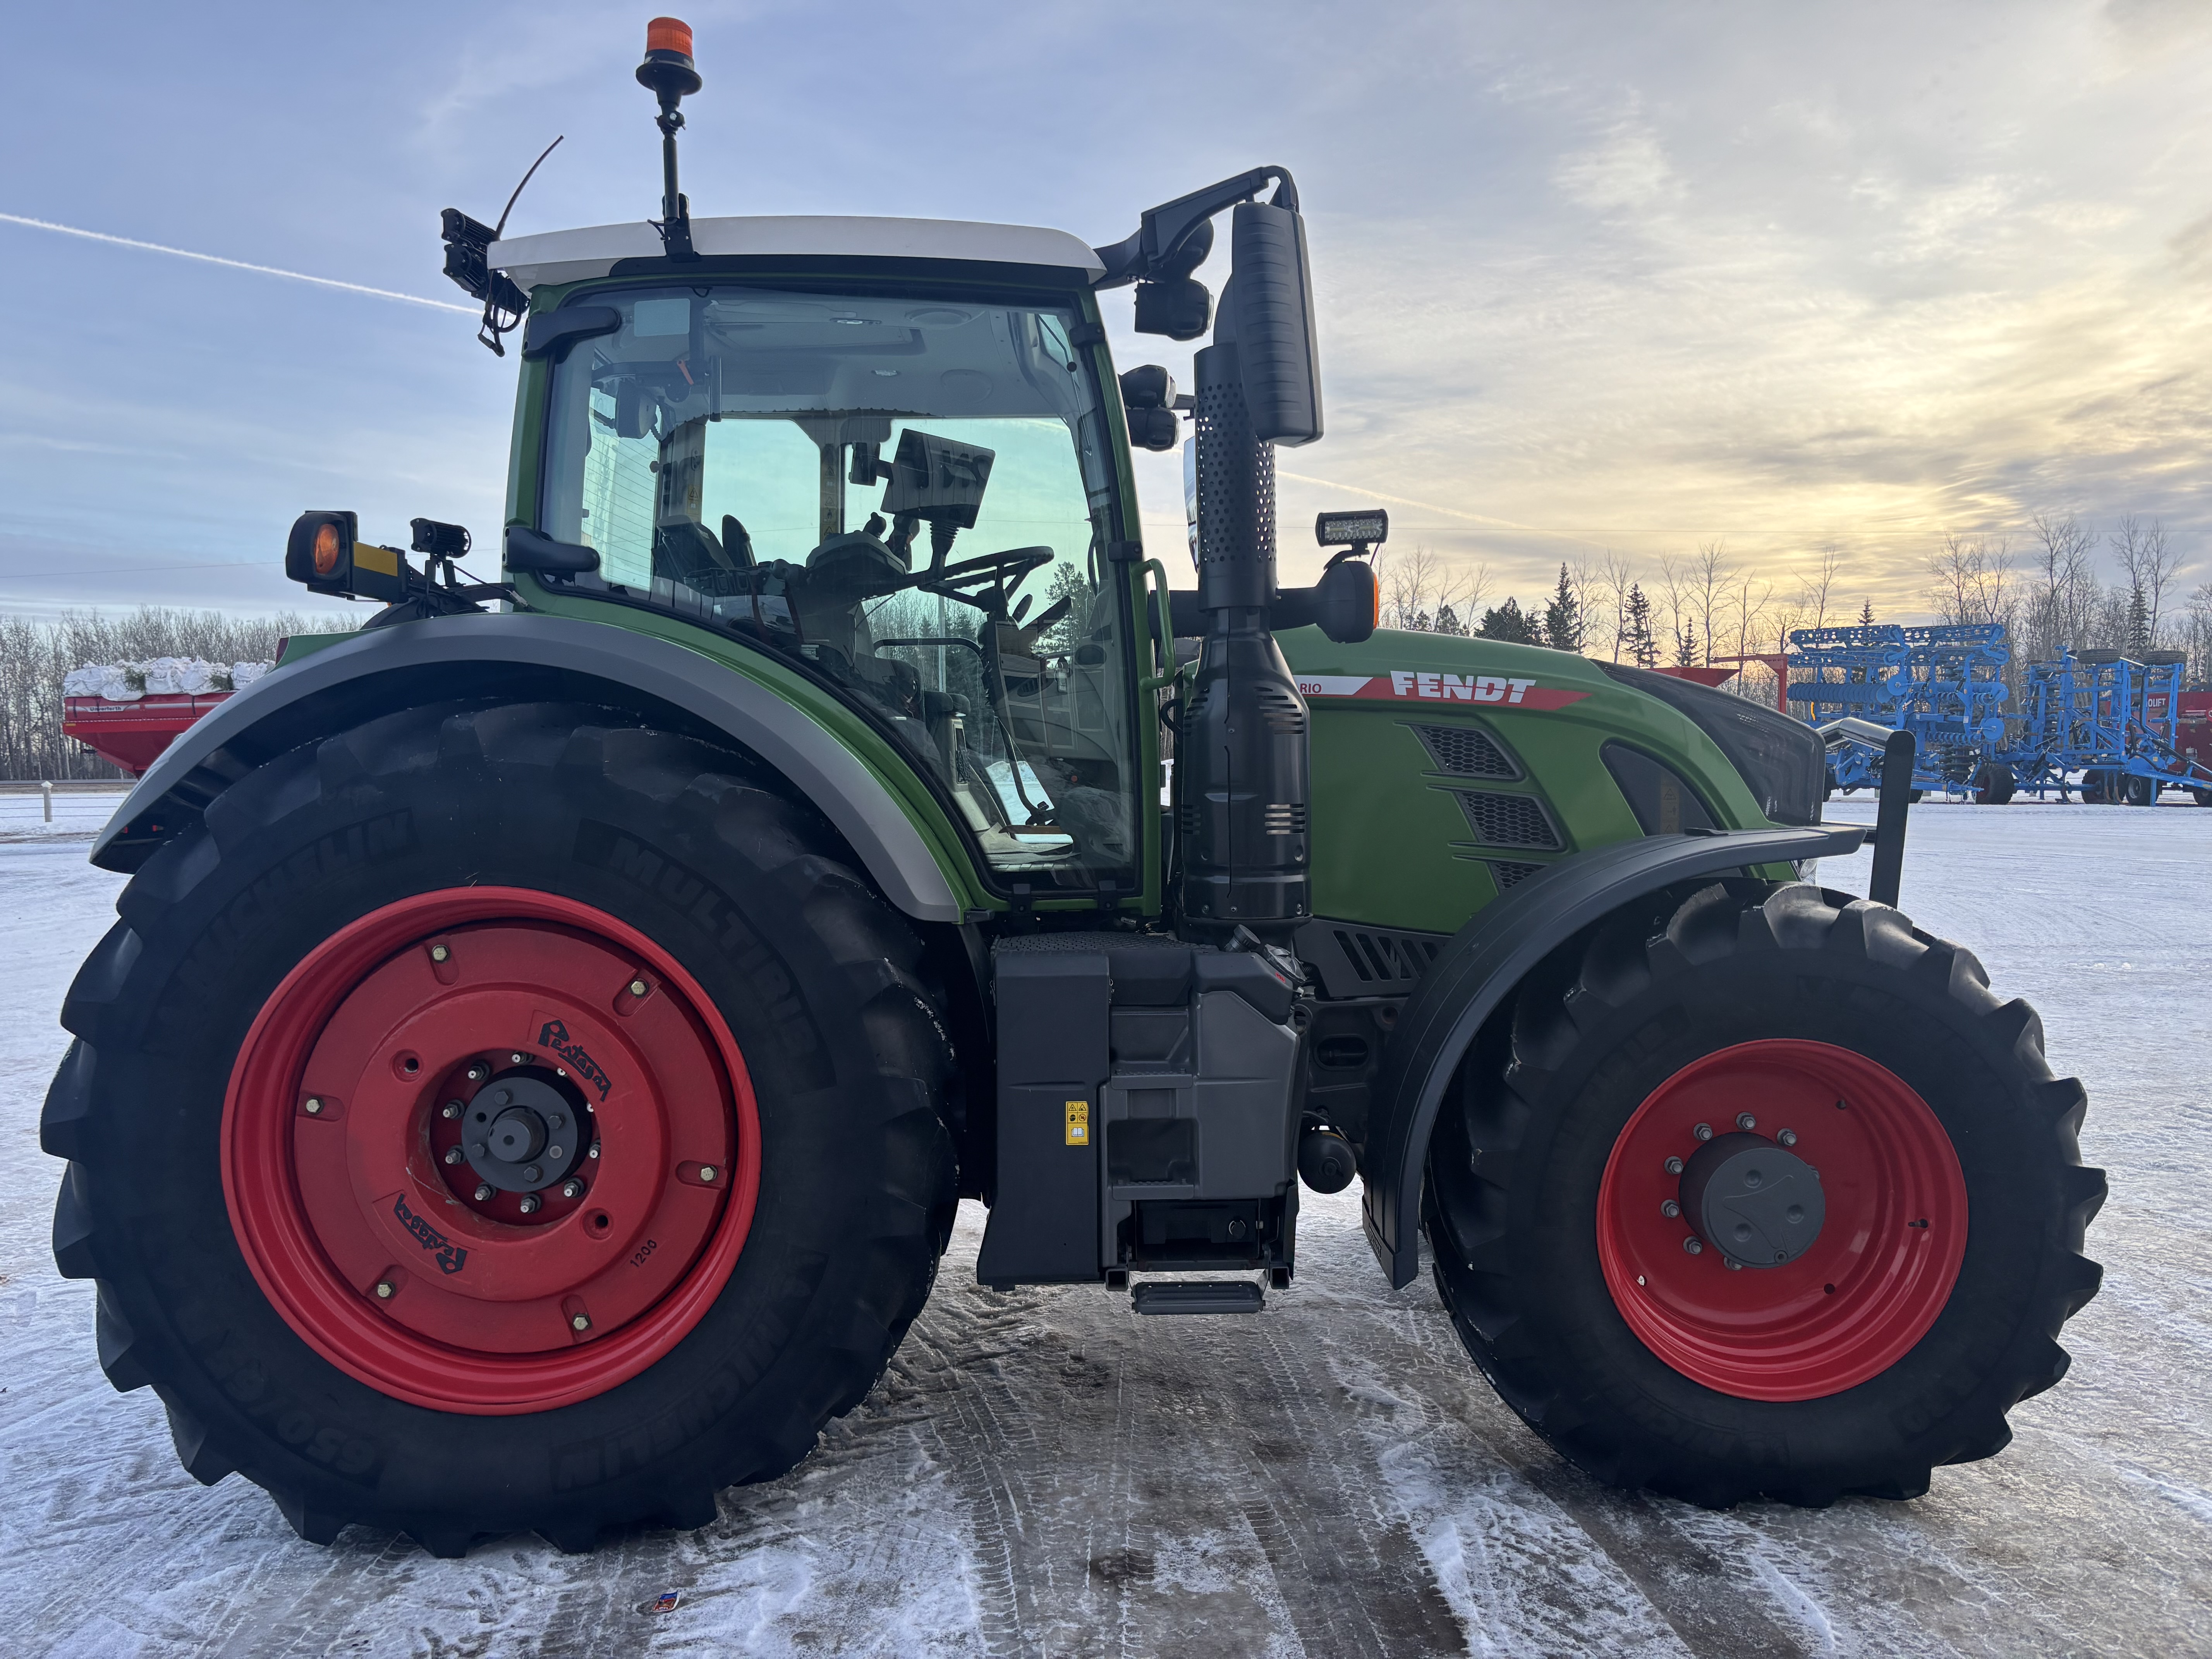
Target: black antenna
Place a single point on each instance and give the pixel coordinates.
(468, 262)
(668, 73)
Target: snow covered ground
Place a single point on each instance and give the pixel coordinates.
(1043, 1473)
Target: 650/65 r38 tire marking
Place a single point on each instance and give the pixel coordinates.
(358, 1126)
(1870, 1285)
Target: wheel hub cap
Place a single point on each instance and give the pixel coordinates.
(1759, 1205)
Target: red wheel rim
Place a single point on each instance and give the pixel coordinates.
(380, 1253)
(1870, 1286)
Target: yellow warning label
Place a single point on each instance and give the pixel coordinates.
(1078, 1123)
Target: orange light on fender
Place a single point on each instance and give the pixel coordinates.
(327, 549)
(668, 34)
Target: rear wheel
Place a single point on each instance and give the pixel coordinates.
(1994, 785)
(1760, 1191)
(497, 1118)
(2138, 791)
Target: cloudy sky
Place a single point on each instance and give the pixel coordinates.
(1633, 277)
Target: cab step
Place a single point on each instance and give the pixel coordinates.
(1199, 1295)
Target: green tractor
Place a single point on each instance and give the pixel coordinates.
(548, 1030)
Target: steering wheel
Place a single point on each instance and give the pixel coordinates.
(1007, 569)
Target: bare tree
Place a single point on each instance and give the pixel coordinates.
(2147, 565)
(1972, 578)
(1711, 577)
(2064, 598)
(1814, 591)
(1419, 590)
(1616, 578)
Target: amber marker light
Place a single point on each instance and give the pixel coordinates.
(327, 549)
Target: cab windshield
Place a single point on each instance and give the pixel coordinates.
(913, 497)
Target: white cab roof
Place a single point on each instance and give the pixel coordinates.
(571, 256)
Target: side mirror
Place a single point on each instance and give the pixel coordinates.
(526, 549)
(1148, 395)
(1182, 309)
(1270, 296)
(1344, 603)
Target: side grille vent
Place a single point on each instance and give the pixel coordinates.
(1285, 714)
(1506, 874)
(1363, 961)
(1509, 820)
(1282, 819)
(1467, 752)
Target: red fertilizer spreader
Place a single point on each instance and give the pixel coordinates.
(133, 734)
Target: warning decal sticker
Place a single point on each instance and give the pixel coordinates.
(1400, 683)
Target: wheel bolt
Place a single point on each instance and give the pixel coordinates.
(1674, 1166)
(1670, 1209)
(483, 1192)
(595, 1149)
(314, 1106)
(439, 953)
(1704, 1132)
(1787, 1137)
(637, 987)
(453, 1108)
(582, 1323)
(531, 1172)
(479, 1071)
(557, 1122)
(517, 1058)
(530, 1203)
(1695, 1247)
(1746, 1121)
(706, 1172)
(1735, 1267)
(384, 1289)
(452, 1154)
(572, 1188)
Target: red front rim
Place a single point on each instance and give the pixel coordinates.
(352, 1184)
(1870, 1286)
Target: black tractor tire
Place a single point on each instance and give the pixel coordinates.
(2203, 797)
(1520, 1151)
(1994, 785)
(2137, 790)
(2098, 788)
(745, 890)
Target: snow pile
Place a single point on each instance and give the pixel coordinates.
(127, 682)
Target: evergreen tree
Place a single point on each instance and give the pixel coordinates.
(1635, 633)
(1506, 621)
(1563, 618)
(1685, 644)
(1447, 621)
(2138, 624)
(1866, 614)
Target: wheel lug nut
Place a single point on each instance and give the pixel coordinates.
(582, 1323)
(452, 1154)
(313, 1106)
(478, 1072)
(439, 953)
(452, 1108)
(530, 1202)
(1787, 1137)
(384, 1289)
(1704, 1132)
(595, 1149)
(1670, 1209)
(483, 1192)
(1735, 1267)
(531, 1172)
(516, 1059)
(1694, 1246)
(637, 987)
(1746, 1121)
(1674, 1166)
(706, 1172)
(556, 1120)
(572, 1188)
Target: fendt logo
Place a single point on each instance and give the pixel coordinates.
(555, 1037)
(451, 1257)
(1440, 687)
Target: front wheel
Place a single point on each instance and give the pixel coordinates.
(498, 1119)
(1760, 1191)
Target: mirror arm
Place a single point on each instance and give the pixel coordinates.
(1166, 228)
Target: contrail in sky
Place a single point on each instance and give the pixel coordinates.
(237, 264)
(1431, 506)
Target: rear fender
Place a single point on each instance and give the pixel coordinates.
(1470, 979)
(535, 656)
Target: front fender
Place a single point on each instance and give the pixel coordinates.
(534, 655)
(1489, 957)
